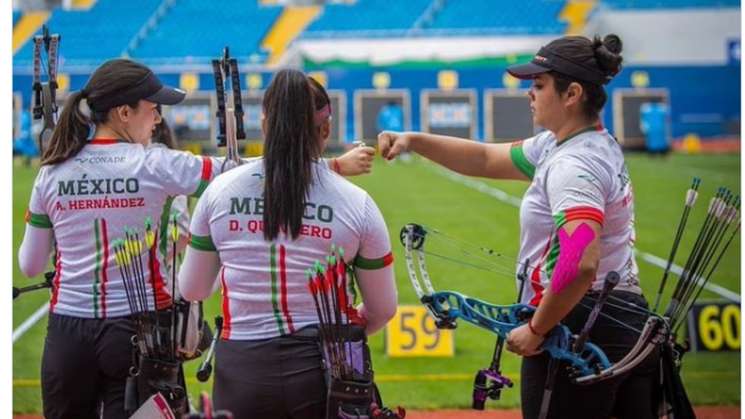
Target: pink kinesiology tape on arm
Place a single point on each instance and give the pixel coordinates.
(571, 249)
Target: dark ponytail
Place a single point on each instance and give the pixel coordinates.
(70, 134)
(73, 128)
(602, 55)
(291, 145)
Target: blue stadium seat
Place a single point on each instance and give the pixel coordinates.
(371, 17)
(97, 34)
(16, 16)
(197, 30)
(525, 18)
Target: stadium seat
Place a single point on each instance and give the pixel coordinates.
(83, 31)
(526, 18)
(367, 17)
(197, 31)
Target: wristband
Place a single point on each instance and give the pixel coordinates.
(335, 166)
(532, 329)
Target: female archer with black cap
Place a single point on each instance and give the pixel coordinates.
(576, 223)
(90, 188)
(98, 178)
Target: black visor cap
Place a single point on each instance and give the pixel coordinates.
(547, 60)
(150, 89)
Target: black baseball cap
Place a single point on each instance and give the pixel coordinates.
(549, 58)
(149, 88)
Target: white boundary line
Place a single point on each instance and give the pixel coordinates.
(30, 322)
(515, 202)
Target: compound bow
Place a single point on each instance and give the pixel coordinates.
(45, 93)
(229, 107)
(588, 362)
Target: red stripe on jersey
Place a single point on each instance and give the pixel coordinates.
(535, 282)
(283, 288)
(584, 213)
(388, 259)
(105, 234)
(56, 282)
(162, 298)
(104, 141)
(226, 326)
(206, 168)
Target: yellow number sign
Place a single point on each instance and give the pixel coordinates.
(412, 333)
(715, 326)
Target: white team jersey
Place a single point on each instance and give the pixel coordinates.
(264, 284)
(584, 177)
(90, 199)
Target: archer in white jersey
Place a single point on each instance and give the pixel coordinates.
(584, 176)
(90, 199)
(264, 285)
(257, 231)
(576, 225)
(85, 194)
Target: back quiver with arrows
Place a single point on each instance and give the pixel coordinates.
(351, 389)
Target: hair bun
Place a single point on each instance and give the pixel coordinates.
(608, 53)
(613, 43)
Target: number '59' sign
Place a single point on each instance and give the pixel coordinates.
(412, 332)
(714, 326)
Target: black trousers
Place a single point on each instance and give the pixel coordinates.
(274, 378)
(632, 395)
(84, 367)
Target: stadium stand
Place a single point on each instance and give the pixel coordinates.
(527, 18)
(84, 31)
(367, 18)
(196, 30)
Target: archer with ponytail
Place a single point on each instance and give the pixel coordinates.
(98, 178)
(257, 229)
(576, 225)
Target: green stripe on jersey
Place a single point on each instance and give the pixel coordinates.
(521, 162)
(163, 232)
(275, 293)
(371, 264)
(39, 220)
(202, 243)
(97, 271)
(200, 189)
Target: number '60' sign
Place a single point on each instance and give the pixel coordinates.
(412, 332)
(714, 326)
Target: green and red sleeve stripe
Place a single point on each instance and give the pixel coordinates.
(204, 243)
(37, 220)
(206, 176)
(371, 264)
(517, 155)
(578, 213)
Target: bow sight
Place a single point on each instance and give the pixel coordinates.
(45, 93)
(229, 107)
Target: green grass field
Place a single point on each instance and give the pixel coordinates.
(417, 192)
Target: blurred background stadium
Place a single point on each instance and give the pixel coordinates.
(431, 65)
